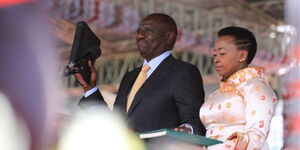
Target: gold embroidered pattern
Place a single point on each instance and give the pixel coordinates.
(230, 85)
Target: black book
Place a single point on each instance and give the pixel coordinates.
(86, 46)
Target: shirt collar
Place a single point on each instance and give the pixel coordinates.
(156, 61)
(244, 75)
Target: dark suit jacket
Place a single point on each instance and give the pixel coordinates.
(171, 96)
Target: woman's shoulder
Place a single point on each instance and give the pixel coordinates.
(246, 74)
(257, 86)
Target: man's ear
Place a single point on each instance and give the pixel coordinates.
(170, 35)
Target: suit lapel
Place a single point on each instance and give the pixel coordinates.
(131, 80)
(127, 85)
(160, 73)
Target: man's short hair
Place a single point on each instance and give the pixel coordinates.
(168, 21)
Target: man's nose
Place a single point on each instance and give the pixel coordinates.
(139, 35)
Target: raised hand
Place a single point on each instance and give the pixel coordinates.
(87, 86)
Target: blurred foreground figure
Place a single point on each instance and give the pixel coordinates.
(11, 128)
(98, 128)
(27, 70)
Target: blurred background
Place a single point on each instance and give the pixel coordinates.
(41, 34)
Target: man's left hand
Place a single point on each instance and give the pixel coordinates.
(183, 129)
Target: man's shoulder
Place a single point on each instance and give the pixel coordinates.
(184, 64)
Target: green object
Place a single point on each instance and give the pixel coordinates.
(194, 139)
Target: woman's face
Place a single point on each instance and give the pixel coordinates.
(227, 58)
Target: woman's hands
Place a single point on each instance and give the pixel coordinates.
(240, 140)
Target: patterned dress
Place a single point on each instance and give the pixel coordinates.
(243, 106)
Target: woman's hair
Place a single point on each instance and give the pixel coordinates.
(244, 40)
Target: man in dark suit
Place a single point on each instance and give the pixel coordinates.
(172, 93)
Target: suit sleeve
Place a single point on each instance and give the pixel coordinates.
(189, 96)
(94, 99)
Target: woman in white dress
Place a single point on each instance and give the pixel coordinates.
(240, 111)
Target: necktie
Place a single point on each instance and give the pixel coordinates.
(137, 84)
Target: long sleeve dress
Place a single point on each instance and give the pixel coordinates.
(242, 107)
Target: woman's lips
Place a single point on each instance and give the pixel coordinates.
(218, 67)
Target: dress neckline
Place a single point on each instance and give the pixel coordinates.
(241, 76)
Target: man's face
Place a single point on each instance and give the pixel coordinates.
(151, 38)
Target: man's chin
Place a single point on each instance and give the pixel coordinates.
(145, 55)
(143, 51)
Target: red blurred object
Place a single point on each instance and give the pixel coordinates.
(295, 123)
(293, 90)
(297, 53)
(5, 3)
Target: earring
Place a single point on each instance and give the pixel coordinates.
(241, 60)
